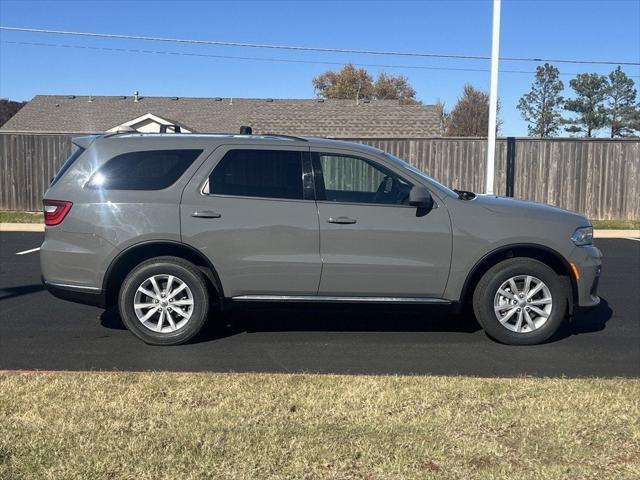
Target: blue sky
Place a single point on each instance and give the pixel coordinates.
(586, 30)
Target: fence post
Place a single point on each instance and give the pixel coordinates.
(511, 164)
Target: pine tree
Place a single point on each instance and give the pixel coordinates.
(588, 105)
(540, 106)
(621, 107)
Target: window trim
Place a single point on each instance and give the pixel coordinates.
(269, 199)
(305, 163)
(320, 186)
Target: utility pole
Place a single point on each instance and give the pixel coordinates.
(493, 97)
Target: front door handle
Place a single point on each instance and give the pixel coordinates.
(206, 214)
(341, 220)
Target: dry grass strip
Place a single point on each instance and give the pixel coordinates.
(254, 426)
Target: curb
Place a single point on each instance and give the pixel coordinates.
(616, 233)
(38, 227)
(21, 227)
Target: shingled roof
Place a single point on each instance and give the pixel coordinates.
(328, 118)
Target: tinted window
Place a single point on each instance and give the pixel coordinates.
(356, 180)
(149, 170)
(67, 164)
(258, 173)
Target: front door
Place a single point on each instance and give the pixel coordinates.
(249, 210)
(372, 242)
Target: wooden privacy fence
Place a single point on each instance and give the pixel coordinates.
(597, 177)
(28, 162)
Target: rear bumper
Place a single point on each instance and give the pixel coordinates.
(74, 259)
(78, 294)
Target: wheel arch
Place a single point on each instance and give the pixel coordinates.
(542, 253)
(133, 255)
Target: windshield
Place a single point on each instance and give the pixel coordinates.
(419, 172)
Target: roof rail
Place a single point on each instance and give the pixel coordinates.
(176, 128)
(124, 129)
(290, 137)
(272, 135)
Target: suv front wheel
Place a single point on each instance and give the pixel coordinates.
(164, 301)
(520, 301)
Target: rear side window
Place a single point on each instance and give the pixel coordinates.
(67, 164)
(258, 173)
(148, 170)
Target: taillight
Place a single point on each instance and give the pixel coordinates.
(55, 211)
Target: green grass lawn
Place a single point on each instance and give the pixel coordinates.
(616, 224)
(257, 426)
(20, 217)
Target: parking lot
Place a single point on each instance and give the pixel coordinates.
(38, 331)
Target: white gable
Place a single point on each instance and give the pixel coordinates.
(148, 123)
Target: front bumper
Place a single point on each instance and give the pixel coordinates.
(587, 261)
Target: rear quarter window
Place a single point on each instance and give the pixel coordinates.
(67, 164)
(145, 170)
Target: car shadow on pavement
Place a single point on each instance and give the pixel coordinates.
(587, 321)
(323, 318)
(11, 292)
(357, 318)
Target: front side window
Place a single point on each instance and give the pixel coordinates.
(147, 170)
(356, 180)
(258, 173)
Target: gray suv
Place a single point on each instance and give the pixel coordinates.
(173, 226)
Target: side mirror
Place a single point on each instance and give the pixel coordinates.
(420, 197)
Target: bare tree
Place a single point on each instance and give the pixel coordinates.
(390, 87)
(349, 83)
(8, 108)
(357, 84)
(470, 116)
(443, 117)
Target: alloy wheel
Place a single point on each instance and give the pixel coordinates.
(163, 303)
(523, 303)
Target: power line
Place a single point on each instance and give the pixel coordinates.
(267, 59)
(234, 57)
(306, 49)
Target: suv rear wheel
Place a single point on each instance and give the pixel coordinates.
(520, 301)
(164, 301)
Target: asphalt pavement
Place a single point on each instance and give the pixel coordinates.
(39, 331)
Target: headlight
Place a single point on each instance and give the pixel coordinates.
(583, 236)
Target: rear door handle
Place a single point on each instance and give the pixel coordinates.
(341, 220)
(206, 214)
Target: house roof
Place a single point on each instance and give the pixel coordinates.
(329, 118)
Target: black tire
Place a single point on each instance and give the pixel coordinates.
(487, 288)
(186, 273)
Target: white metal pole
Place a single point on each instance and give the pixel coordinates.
(493, 96)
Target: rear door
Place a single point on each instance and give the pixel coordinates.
(372, 242)
(251, 210)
